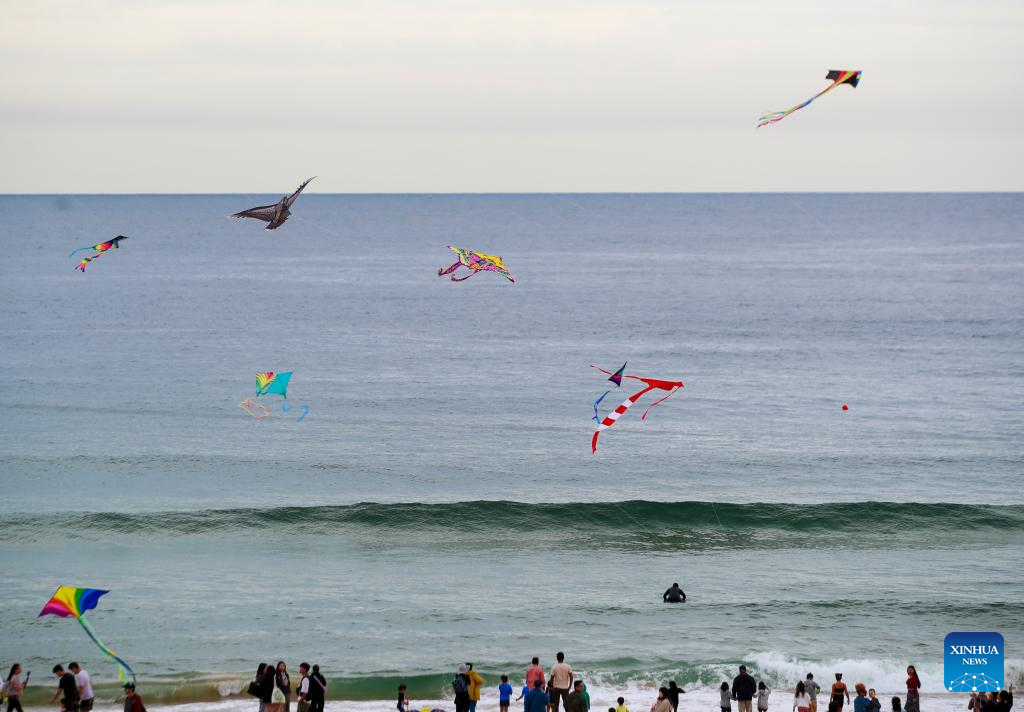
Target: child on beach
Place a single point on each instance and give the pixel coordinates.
(403, 700)
(504, 694)
(622, 705)
(762, 696)
(801, 700)
(522, 695)
(897, 706)
(727, 697)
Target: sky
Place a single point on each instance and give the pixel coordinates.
(394, 96)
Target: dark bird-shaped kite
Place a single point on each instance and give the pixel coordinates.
(274, 214)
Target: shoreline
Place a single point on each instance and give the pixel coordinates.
(638, 699)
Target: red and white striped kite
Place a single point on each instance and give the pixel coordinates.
(651, 384)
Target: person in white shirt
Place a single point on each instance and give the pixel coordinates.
(84, 683)
(801, 700)
(303, 688)
(560, 682)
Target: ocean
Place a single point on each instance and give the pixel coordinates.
(439, 502)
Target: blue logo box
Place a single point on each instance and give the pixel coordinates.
(973, 662)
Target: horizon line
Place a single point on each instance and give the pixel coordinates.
(549, 192)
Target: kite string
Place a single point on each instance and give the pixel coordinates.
(122, 665)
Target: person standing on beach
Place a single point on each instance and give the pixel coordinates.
(533, 673)
(673, 694)
(267, 687)
(258, 681)
(403, 699)
(504, 694)
(622, 705)
(801, 701)
(743, 690)
(762, 696)
(838, 690)
(476, 681)
(574, 701)
(913, 690)
(861, 701)
(812, 688)
(874, 705)
(284, 684)
(13, 687)
(663, 704)
(522, 695)
(317, 690)
(560, 681)
(132, 700)
(67, 690)
(726, 701)
(303, 688)
(460, 686)
(536, 699)
(1003, 703)
(84, 682)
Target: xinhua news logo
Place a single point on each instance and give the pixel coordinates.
(973, 662)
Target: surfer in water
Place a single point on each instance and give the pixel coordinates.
(674, 595)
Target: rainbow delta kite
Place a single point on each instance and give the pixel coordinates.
(270, 382)
(840, 76)
(72, 601)
(651, 384)
(100, 250)
(477, 262)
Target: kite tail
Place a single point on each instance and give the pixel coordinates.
(657, 402)
(597, 403)
(122, 666)
(463, 279)
(611, 418)
(80, 249)
(441, 271)
(780, 115)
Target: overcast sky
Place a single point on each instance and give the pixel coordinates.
(135, 96)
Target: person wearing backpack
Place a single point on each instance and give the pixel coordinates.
(13, 687)
(460, 686)
(536, 699)
(317, 690)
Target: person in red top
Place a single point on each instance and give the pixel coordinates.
(132, 700)
(913, 687)
(533, 673)
(839, 691)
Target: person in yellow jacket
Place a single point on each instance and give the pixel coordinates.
(476, 681)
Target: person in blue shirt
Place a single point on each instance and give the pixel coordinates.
(861, 701)
(504, 694)
(522, 695)
(536, 699)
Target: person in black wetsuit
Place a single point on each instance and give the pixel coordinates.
(674, 595)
